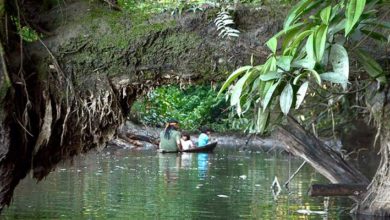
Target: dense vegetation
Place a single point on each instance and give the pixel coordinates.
(194, 107)
(310, 55)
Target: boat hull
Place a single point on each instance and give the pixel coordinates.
(205, 149)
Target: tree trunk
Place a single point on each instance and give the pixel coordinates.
(337, 189)
(324, 159)
(376, 200)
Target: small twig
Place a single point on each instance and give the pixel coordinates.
(294, 174)
(25, 129)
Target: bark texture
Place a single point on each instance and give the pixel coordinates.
(324, 159)
(376, 200)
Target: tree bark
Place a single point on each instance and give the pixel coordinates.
(376, 200)
(337, 189)
(324, 159)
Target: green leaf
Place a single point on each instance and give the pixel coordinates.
(374, 35)
(310, 47)
(301, 94)
(295, 12)
(340, 64)
(268, 85)
(309, 61)
(334, 78)
(271, 75)
(320, 41)
(233, 76)
(237, 90)
(316, 76)
(262, 119)
(298, 39)
(297, 78)
(371, 66)
(355, 9)
(286, 98)
(284, 63)
(272, 44)
(269, 94)
(325, 14)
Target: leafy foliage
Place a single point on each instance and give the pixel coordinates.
(193, 107)
(27, 34)
(224, 23)
(311, 50)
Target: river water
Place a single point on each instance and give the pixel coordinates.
(126, 184)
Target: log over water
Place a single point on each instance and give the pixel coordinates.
(337, 189)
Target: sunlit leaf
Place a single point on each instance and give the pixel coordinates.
(301, 94)
(271, 75)
(284, 63)
(340, 64)
(237, 90)
(286, 98)
(272, 44)
(334, 78)
(297, 10)
(355, 9)
(325, 14)
(233, 76)
(320, 41)
(269, 94)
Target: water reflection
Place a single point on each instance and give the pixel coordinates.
(169, 165)
(186, 160)
(146, 185)
(203, 163)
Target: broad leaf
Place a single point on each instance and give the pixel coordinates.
(320, 41)
(334, 78)
(262, 119)
(371, 66)
(301, 94)
(236, 93)
(325, 14)
(340, 63)
(355, 9)
(297, 10)
(269, 94)
(284, 63)
(233, 76)
(272, 44)
(286, 98)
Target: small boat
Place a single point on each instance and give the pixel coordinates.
(207, 148)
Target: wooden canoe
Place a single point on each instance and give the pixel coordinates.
(207, 148)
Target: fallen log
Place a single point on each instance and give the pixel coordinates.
(337, 189)
(320, 156)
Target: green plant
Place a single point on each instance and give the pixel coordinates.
(27, 34)
(310, 52)
(193, 107)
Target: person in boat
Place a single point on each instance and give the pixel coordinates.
(170, 137)
(186, 142)
(204, 137)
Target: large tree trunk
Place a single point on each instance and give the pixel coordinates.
(324, 159)
(376, 201)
